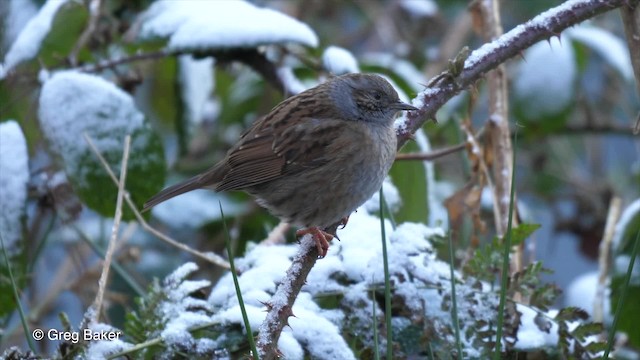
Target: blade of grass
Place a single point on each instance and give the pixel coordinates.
(388, 212)
(376, 347)
(232, 267)
(387, 283)
(505, 255)
(454, 302)
(16, 297)
(623, 295)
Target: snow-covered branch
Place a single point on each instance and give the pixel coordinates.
(544, 26)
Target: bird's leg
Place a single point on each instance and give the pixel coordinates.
(321, 238)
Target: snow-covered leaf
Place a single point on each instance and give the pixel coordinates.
(339, 61)
(14, 175)
(612, 49)
(49, 35)
(544, 82)
(420, 8)
(198, 25)
(73, 103)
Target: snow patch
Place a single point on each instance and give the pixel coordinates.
(545, 81)
(339, 61)
(14, 177)
(221, 24)
(27, 44)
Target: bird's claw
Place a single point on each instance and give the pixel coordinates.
(320, 237)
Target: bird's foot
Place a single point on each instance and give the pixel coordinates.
(343, 222)
(321, 238)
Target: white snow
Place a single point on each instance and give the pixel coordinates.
(529, 335)
(102, 349)
(420, 8)
(292, 84)
(339, 61)
(195, 209)
(391, 196)
(27, 44)
(322, 338)
(18, 14)
(196, 24)
(181, 312)
(196, 78)
(545, 80)
(630, 213)
(14, 176)
(610, 47)
(542, 20)
(582, 292)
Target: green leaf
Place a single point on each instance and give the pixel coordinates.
(67, 25)
(571, 313)
(523, 231)
(588, 329)
(630, 312)
(487, 262)
(411, 181)
(72, 104)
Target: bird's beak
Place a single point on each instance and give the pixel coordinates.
(402, 106)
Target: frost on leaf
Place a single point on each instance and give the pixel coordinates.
(72, 104)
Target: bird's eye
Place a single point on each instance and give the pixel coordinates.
(377, 95)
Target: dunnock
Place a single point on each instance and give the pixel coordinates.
(314, 158)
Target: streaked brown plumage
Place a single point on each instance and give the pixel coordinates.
(315, 157)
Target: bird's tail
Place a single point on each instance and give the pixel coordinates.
(173, 191)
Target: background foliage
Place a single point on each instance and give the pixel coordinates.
(573, 100)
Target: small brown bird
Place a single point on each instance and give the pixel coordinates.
(314, 158)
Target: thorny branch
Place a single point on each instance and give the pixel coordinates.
(482, 60)
(490, 55)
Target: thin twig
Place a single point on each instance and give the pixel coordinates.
(604, 258)
(487, 13)
(433, 155)
(477, 149)
(277, 235)
(210, 257)
(111, 63)
(94, 15)
(250, 57)
(102, 283)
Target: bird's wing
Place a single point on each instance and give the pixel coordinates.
(267, 152)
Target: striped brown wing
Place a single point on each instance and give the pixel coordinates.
(265, 153)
